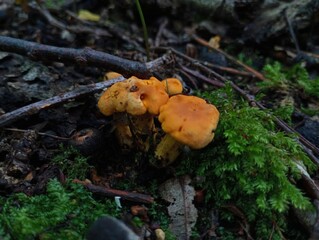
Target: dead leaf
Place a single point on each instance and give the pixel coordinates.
(183, 213)
(214, 42)
(87, 15)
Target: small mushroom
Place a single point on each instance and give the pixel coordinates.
(186, 120)
(111, 75)
(114, 99)
(146, 94)
(173, 86)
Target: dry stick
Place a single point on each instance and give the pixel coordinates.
(82, 57)
(228, 70)
(214, 82)
(249, 69)
(34, 108)
(292, 32)
(109, 192)
(293, 51)
(36, 132)
(224, 69)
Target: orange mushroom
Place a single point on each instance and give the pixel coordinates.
(112, 75)
(149, 93)
(139, 98)
(186, 120)
(173, 86)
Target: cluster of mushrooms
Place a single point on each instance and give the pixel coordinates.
(138, 104)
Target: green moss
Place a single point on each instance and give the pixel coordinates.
(72, 163)
(64, 212)
(249, 165)
(291, 79)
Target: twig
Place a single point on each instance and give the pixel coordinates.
(34, 108)
(292, 32)
(192, 80)
(73, 28)
(293, 52)
(249, 69)
(211, 81)
(109, 192)
(213, 66)
(160, 32)
(36, 132)
(83, 57)
(228, 70)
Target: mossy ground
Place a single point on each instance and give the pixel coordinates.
(250, 166)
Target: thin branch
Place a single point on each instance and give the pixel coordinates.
(205, 63)
(84, 57)
(38, 133)
(292, 32)
(34, 108)
(109, 192)
(214, 82)
(247, 68)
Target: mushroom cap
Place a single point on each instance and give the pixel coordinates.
(172, 86)
(114, 99)
(134, 96)
(112, 75)
(189, 120)
(148, 93)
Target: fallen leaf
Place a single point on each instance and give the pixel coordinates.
(183, 213)
(87, 15)
(214, 42)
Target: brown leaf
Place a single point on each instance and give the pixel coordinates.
(183, 213)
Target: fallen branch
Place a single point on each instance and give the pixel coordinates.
(34, 108)
(84, 57)
(109, 192)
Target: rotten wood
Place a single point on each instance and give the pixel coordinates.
(83, 57)
(109, 192)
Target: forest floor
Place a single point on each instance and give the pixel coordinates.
(62, 165)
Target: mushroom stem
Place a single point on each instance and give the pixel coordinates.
(142, 128)
(122, 131)
(167, 151)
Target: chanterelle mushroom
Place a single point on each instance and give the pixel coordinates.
(173, 86)
(187, 120)
(139, 98)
